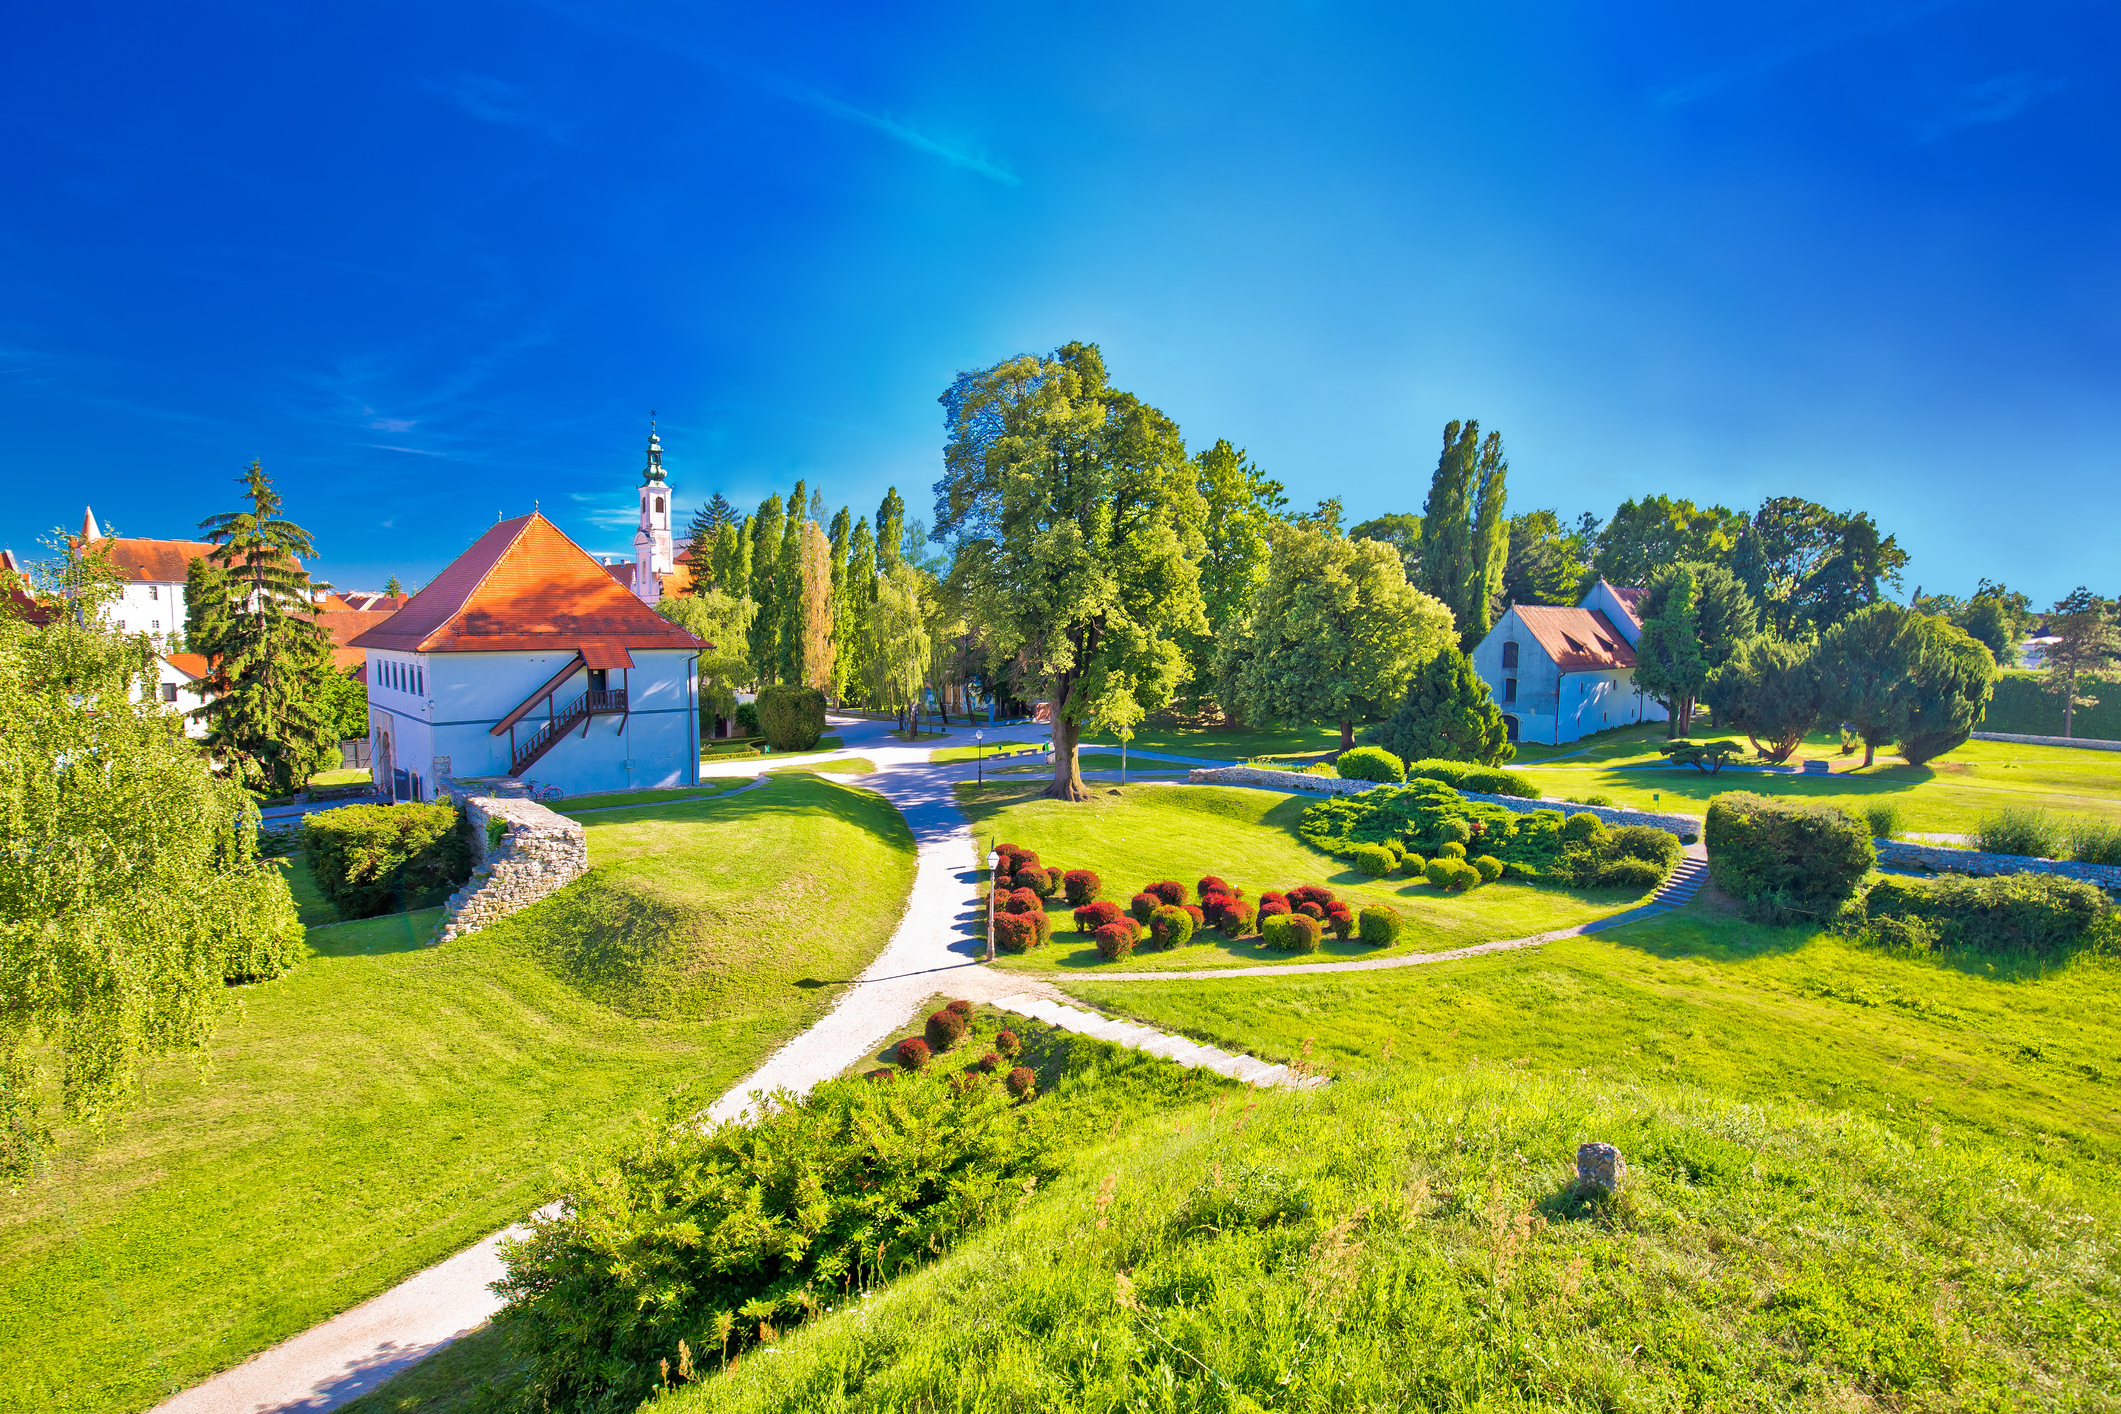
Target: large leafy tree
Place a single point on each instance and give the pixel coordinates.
(1694, 617)
(130, 891)
(1949, 689)
(1810, 567)
(1770, 690)
(2082, 625)
(1864, 661)
(1336, 634)
(1548, 563)
(723, 622)
(1658, 530)
(1402, 532)
(1076, 518)
(1465, 540)
(1243, 504)
(898, 638)
(269, 716)
(1447, 714)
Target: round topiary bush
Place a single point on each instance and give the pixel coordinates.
(1311, 911)
(1142, 905)
(1171, 927)
(1412, 866)
(1270, 930)
(1309, 893)
(1168, 891)
(1095, 915)
(1019, 901)
(1209, 884)
(1080, 886)
(962, 1008)
(1236, 920)
(1463, 876)
(1380, 925)
(989, 1063)
(1211, 907)
(1302, 933)
(1454, 831)
(1022, 1083)
(1041, 927)
(1659, 847)
(1015, 932)
(1451, 849)
(1583, 825)
(945, 1029)
(1341, 922)
(1490, 868)
(1041, 881)
(1115, 940)
(1370, 763)
(792, 717)
(1374, 860)
(1195, 912)
(912, 1053)
(1440, 871)
(1009, 1044)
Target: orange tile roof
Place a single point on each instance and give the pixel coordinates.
(523, 585)
(192, 665)
(1576, 638)
(153, 561)
(346, 625)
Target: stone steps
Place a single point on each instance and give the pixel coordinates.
(1685, 882)
(1193, 1054)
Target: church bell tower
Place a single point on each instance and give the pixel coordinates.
(652, 551)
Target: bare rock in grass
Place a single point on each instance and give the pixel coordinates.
(1599, 1168)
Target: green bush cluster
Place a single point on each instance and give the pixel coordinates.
(1786, 861)
(791, 716)
(2027, 915)
(1467, 775)
(1370, 763)
(374, 859)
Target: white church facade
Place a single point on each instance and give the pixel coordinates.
(1561, 674)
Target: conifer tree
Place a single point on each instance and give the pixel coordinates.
(1685, 640)
(1954, 677)
(392, 587)
(268, 719)
(1770, 690)
(1447, 714)
(2083, 629)
(788, 663)
(1865, 659)
(1465, 538)
(706, 528)
(766, 531)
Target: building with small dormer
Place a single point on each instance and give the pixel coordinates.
(1561, 674)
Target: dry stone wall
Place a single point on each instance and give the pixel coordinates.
(2083, 743)
(1899, 854)
(1681, 825)
(536, 853)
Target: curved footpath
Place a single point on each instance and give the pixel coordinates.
(938, 947)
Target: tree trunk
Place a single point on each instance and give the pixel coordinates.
(1870, 753)
(1347, 736)
(2069, 703)
(1067, 773)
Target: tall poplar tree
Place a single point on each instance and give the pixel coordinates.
(766, 531)
(843, 661)
(268, 716)
(1077, 523)
(1465, 537)
(814, 634)
(890, 531)
(858, 592)
(788, 662)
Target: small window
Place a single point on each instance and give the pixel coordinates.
(156, 624)
(659, 505)
(1509, 687)
(154, 591)
(169, 692)
(1509, 657)
(419, 681)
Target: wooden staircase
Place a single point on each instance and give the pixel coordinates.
(595, 702)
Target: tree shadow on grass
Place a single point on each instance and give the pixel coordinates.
(796, 793)
(1693, 932)
(373, 937)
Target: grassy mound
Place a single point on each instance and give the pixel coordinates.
(388, 1103)
(1409, 1239)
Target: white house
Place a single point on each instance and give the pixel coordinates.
(526, 658)
(153, 599)
(181, 688)
(1561, 674)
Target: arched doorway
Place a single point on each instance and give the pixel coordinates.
(1509, 724)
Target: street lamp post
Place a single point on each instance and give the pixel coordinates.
(994, 862)
(979, 757)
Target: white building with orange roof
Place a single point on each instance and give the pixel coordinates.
(1560, 674)
(526, 658)
(152, 601)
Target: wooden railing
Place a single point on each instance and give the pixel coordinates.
(593, 703)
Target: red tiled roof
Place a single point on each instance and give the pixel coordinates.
(346, 625)
(192, 665)
(523, 585)
(153, 561)
(1577, 638)
(23, 607)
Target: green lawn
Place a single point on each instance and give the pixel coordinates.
(1246, 837)
(844, 766)
(1227, 743)
(1950, 794)
(388, 1103)
(713, 785)
(945, 755)
(1854, 1183)
(350, 776)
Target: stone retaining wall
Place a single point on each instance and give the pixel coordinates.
(2081, 742)
(1681, 825)
(1902, 855)
(538, 853)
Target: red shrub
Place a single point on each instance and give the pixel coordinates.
(962, 1008)
(1043, 882)
(1302, 933)
(1342, 921)
(945, 1029)
(1115, 940)
(1200, 915)
(1007, 1043)
(1095, 915)
(913, 1053)
(1274, 896)
(1310, 893)
(1169, 891)
(1171, 927)
(1272, 907)
(1020, 901)
(1015, 932)
(1022, 1083)
(1081, 886)
(1312, 911)
(1142, 905)
(1209, 884)
(1236, 919)
(1041, 927)
(882, 1072)
(989, 1063)
(1211, 907)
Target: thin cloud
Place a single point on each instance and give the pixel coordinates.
(391, 424)
(1993, 100)
(416, 451)
(1803, 47)
(912, 137)
(492, 100)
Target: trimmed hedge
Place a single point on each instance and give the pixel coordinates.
(1096, 914)
(1380, 925)
(1116, 939)
(1171, 927)
(1786, 860)
(2034, 915)
(1370, 763)
(792, 717)
(1079, 886)
(375, 859)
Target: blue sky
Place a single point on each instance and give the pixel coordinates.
(430, 262)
